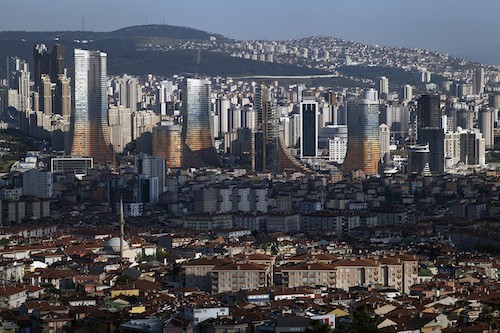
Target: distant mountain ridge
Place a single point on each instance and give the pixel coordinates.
(151, 30)
(126, 53)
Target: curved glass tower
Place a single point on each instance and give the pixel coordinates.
(363, 147)
(90, 116)
(197, 127)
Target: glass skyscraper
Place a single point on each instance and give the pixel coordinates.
(197, 127)
(363, 146)
(90, 116)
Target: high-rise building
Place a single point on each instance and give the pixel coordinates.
(418, 159)
(223, 111)
(383, 87)
(486, 125)
(363, 147)
(385, 141)
(51, 82)
(37, 183)
(197, 133)
(18, 80)
(167, 144)
(472, 148)
(407, 92)
(90, 116)
(127, 92)
(434, 138)
(63, 96)
(51, 63)
(151, 166)
(309, 127)
(266, 132)
(429, 111)
(451, 148)
(478, 81)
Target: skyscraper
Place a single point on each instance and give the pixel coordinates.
(383, 87)
(308, 127)
(266, 131)
(434, 138)
(167, 144)
(199, 146)
(90, 116)
(429, 111)
(478, 78)
(51, 82)
(18, 78)
(363, 147)
(486, 125)
(51, 63)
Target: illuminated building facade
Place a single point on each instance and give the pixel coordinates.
(197, 127)
(167, 144)
(90, 117)
(363, 147)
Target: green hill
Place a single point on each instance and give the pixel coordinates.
(125, 55)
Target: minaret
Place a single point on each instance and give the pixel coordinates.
(122, 228)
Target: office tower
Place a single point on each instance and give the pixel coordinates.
(434, 138)
(148, 189)
(429, 111)
(486, 126)
(45, 94)
(63, 96)
(370, 94)
(51, 82)
(385, 142)
(478, 81)
(451, 148)
(152, 166)
(337, 149)
(199, 146)
(472, 148)
(51, 63)
(383, 87)
(407, 92)
(18, 80)
(494, 100)
(164, 96)
(309, 127)
(223, 111)
(266, 132)
(127, 92)
(419, 159)
(90, 116)
(363, 147)
(120, 127)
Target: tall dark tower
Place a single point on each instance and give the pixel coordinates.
(57, 62)
(429, 111)
(430, 131)
(51, 63)
(266, 132)
(122, 229)
(51, 82)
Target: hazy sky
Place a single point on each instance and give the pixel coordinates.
(464, 27)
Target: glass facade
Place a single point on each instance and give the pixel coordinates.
(197, 124)
(363, 147)
(309, 129)
(90, 119)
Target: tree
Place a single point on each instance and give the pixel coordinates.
(364, 320)
(318, 327)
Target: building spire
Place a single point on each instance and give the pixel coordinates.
(122, 228)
